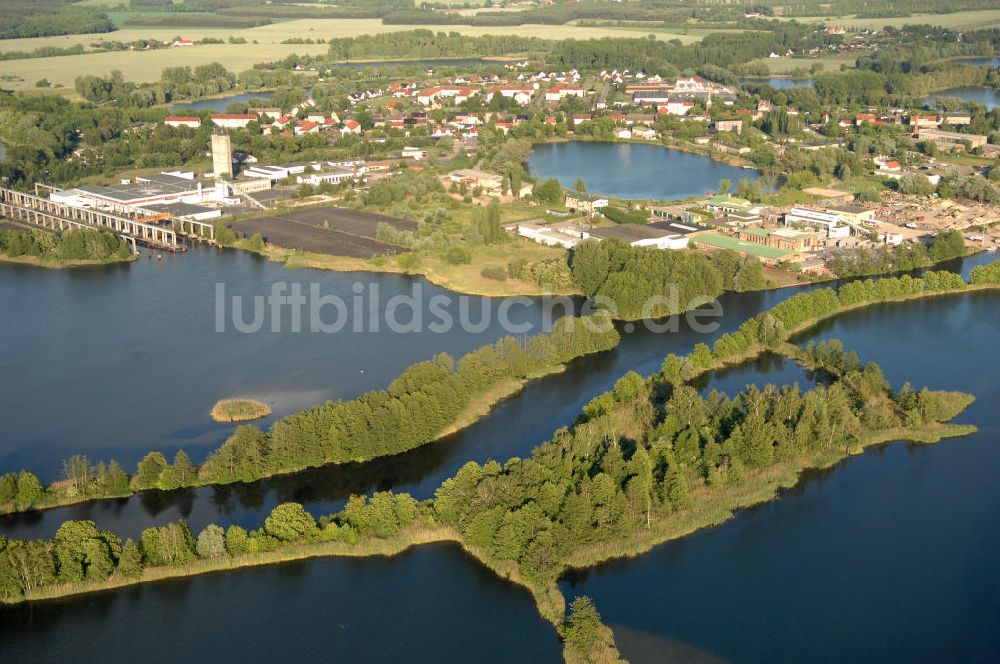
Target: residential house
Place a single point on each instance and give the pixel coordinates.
(732, 126)
(182, 121)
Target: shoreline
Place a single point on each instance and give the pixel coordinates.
(61, 264)
(294, 259)
(710, 507)
(768, 485)
(480, 407)
(478, 410)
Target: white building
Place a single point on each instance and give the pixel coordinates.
(182, 121)
(233, 121)
(828, 221)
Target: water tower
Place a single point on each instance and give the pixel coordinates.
(222, 154)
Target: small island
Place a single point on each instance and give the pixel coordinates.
(239, 410)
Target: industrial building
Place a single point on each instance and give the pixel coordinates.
(130, 196)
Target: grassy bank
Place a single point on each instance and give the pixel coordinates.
(62, 264)
(812, 322)
(368, 547)
(465, 279)
(484, 403)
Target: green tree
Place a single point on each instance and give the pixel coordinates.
(551, 192)
(149, 470)
(236, 540)
(582, 629)
(289, 522)
(29, 489)
(130, 561)
(84, 552)
(171, 544)
(186, 471)
(211, 542)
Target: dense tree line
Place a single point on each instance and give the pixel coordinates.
(901, 258)
(43, 52)
(429, 44)
(181, 82)
(640, 282)
(652, 55)
(82, 244)
(42, 18)
(770, 328)
(80, 552)
(985, 274)
(642, 449)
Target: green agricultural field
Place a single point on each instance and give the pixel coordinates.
(989, 18)
(321, 28)
(146, 66)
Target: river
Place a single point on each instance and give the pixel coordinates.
(632, 170)
(887, 557)
(987, 97)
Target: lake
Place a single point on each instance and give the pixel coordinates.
(632, 170)
(890, 556)
(513, 428)
(433, 599)
(3, 151)
(441, 601)
(219, 104)
(979, 62)
(780, 82)
(987, 97)
(117, 361)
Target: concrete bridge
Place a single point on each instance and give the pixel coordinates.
(44, 213)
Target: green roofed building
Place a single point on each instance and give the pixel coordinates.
(730, 205)
(769, 255)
